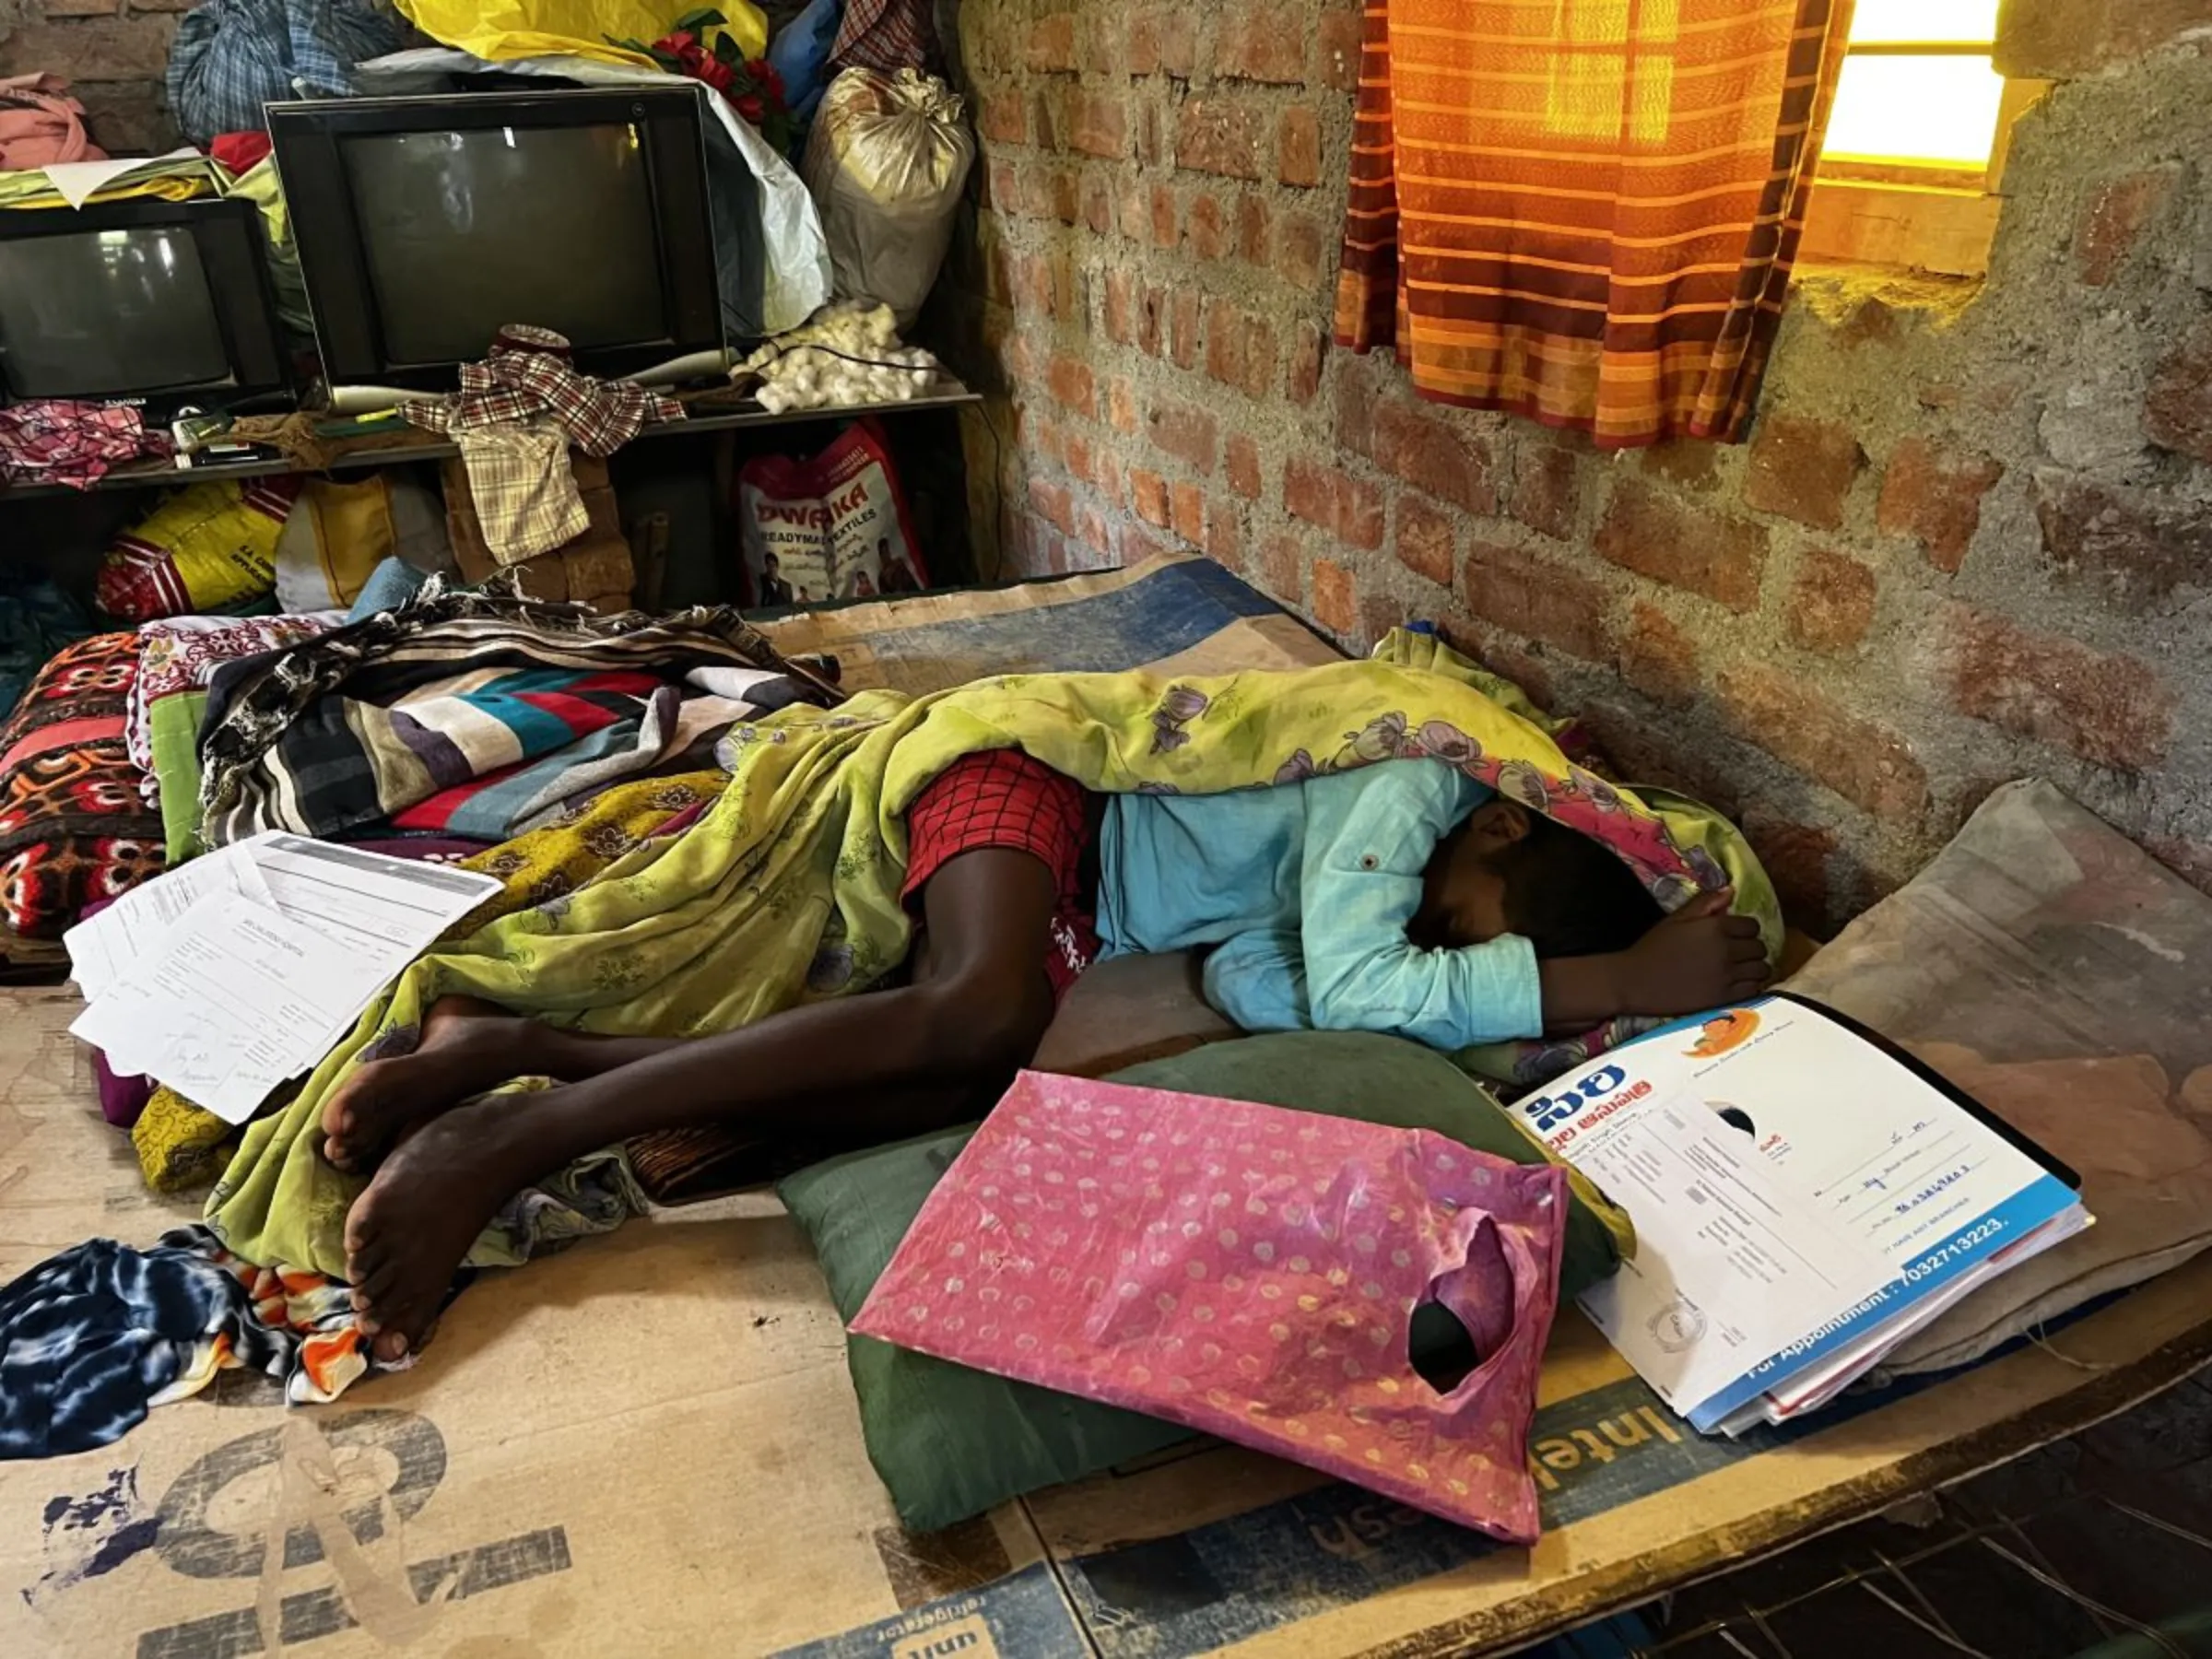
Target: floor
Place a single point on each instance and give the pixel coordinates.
(2097, 1544)
(553, 1464)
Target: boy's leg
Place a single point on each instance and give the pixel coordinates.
(464, 1046)
(893, 1062)
(467, 1046)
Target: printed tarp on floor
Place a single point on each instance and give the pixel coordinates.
(649, 1445)
(1176, 615)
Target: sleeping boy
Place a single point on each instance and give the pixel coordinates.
(1400, 897)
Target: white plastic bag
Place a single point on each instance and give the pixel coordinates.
(886, 161)
(834, 526)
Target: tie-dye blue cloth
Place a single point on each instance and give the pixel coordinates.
(89, 1337)
(92, 1339)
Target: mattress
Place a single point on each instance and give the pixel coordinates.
(648, 1444)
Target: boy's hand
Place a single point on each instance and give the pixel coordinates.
(1698, 957)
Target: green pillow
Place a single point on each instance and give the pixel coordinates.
(950, 1441)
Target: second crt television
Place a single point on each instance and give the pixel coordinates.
(426, 225)
(162, 303)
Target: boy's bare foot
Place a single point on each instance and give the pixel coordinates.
(431, 1197)
(464, 1046)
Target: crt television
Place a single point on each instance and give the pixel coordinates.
(425, 225)
(165, 303)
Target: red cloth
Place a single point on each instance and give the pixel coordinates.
(1003, 798)
(57, 441)
(241, 152)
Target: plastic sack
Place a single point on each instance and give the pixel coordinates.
(339, 534)
(2052, 969)
(1250, 1272)
(833, 527)
(887, 160)
(207, 547)
(505, 29)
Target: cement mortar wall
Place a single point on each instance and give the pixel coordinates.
(1968, 540)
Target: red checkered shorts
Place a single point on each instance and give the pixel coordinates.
(1002, 798)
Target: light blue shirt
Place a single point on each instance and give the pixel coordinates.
(1305, 889)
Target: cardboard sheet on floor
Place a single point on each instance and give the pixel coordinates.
(648, 1445)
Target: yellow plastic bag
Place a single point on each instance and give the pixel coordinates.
(207, 547)
(505, 29)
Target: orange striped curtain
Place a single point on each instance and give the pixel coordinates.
(1586, 211)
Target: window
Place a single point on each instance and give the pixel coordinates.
(1917, 88)
(1914, 158)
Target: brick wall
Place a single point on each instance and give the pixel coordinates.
(115, 52)
(1969, 540)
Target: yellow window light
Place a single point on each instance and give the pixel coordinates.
(1930, 110)
(1901, 22)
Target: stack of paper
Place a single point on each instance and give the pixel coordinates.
(237, 972)
(1804, 1198)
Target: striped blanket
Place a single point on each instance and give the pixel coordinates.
(474, 714)
(518, 747)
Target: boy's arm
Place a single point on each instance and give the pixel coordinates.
(1700, 958)
(1370, 834)
(1259, 980)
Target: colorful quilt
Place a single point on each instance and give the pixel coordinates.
(472, 734)
(177, 658)
(455, 694)
(73, 826)
(182, 653)
(617, 727)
